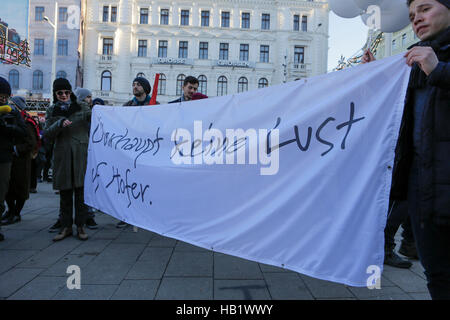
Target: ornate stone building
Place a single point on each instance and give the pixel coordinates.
(229, 45)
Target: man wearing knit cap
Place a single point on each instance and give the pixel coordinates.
(141, 92)
(12, 127)
(84, 95)
(422, 162)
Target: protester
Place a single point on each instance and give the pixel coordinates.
(24, 150)
(12, 127)
(67, 123)
(141, 92)
(422, 166)
(85, 95)
(190, 86)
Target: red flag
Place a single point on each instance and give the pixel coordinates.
(155, 90)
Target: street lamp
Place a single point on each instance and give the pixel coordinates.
(55, 31)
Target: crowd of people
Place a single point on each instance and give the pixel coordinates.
(420, 194)
(30, 149)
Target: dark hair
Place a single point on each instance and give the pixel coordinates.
(191, 80)
(408, 2)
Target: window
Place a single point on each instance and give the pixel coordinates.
(38, 80)
(263, 82)
(394, 44)
(205, 18)
(180, 82)
(63, 45)
(299, 54)
(61, 74)
(304, 23)
(108, 46)
(296, 22)
(142, 48)
(183, 49)
(13, 79)
(202, 84)
(62, 14)
(144, 16)
(203, 50)
(113, 14)
(39, 13)
(222, 86)
(105, 13)
(38, 47)
(184, 18)
(403, 39)
(265, 21)
(245, 20)
(223, 51)
(242, 84)
(162, 49)
(164, 16)
(225, 19)
(264, 53)
(243, 52)
(162, 84)
(106, 81)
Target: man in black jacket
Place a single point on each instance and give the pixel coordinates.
(190, 86)
(12, 126)
(422, 165)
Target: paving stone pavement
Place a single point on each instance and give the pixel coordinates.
(122, 264)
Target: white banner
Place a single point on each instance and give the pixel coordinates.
(295, 175)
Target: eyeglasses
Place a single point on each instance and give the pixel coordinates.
(66, 92)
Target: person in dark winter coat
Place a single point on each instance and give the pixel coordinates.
(19, 183)
(67, 123)
(422, 164)
(190, 87)
(141, 92)
(12, 127)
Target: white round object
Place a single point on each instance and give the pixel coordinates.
(345, 8)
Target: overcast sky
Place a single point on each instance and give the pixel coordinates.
(347, 36)
(15, 13)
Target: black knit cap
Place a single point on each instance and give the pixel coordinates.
(61, 84)
(144, 83)
(5, 88)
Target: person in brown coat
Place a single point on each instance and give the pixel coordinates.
(19, 183)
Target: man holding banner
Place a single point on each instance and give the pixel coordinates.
(422, 167)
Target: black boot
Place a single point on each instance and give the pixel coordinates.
(394, 260)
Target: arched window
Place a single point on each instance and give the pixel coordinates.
(140, 75)
(263, 82)
(242, 84)
(180, 81)
(222, 86)
(61, 74)
(202, 84)
(106, 81)
(162, 84)
(38, 80)
(14, 79)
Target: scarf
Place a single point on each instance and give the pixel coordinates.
(64, 109)
(441, 45)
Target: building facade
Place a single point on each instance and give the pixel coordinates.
(399, 42)
(229, 45)
(35, 82)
